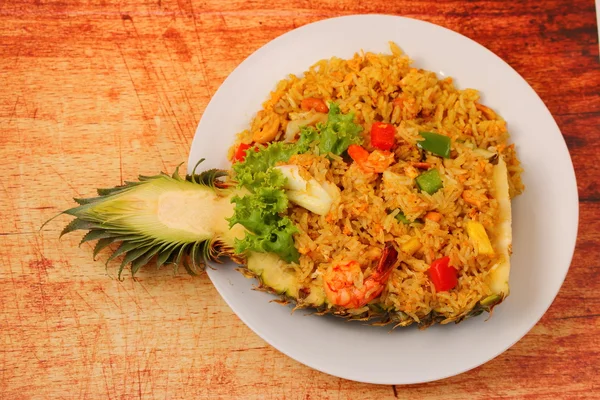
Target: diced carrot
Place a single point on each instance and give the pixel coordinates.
(358, 153)
(362, 208)
(378, 228)
(433, 216)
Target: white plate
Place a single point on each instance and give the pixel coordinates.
(545, 217)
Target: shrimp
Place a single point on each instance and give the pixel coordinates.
(342, 281)
(265, 127)
(379, 161)
(374, 162)
(488, 112)
(311, 103)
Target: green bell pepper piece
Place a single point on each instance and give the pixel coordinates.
(430, 181)
(400, 217)
(435, 143)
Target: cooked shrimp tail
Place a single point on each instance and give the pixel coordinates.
(343, 285)
(387, 262)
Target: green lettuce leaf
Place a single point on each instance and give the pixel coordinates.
(259, 210)
(277, 238)
(255, 171)
(259, 213)
(339, 132)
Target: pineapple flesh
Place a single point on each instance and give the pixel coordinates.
(498, 277)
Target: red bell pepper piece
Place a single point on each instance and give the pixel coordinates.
(443, 275)
(240, 153)
(383, 136)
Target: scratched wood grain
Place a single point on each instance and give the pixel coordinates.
(94, 93)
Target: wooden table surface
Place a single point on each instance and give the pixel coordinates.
(93, 94)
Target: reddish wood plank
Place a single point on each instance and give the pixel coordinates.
(96, 93)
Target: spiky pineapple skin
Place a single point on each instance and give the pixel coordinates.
(375, 315)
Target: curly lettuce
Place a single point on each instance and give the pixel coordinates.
(259, 211)
(339, 132)
(255, 171)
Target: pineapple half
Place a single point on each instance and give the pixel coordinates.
(159, 216)
(184, 221)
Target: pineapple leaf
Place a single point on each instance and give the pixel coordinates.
(180, 255)
(96, 234)
(163, 257)
(109, 191)
(102, 244)
(122, 249)
(77, 224)
(189, 269)
(82, 202)
(131, 257)
(141, 261)
(194, 254)
(179, 220)
(176, 175)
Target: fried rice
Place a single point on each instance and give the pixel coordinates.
(387, 88)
